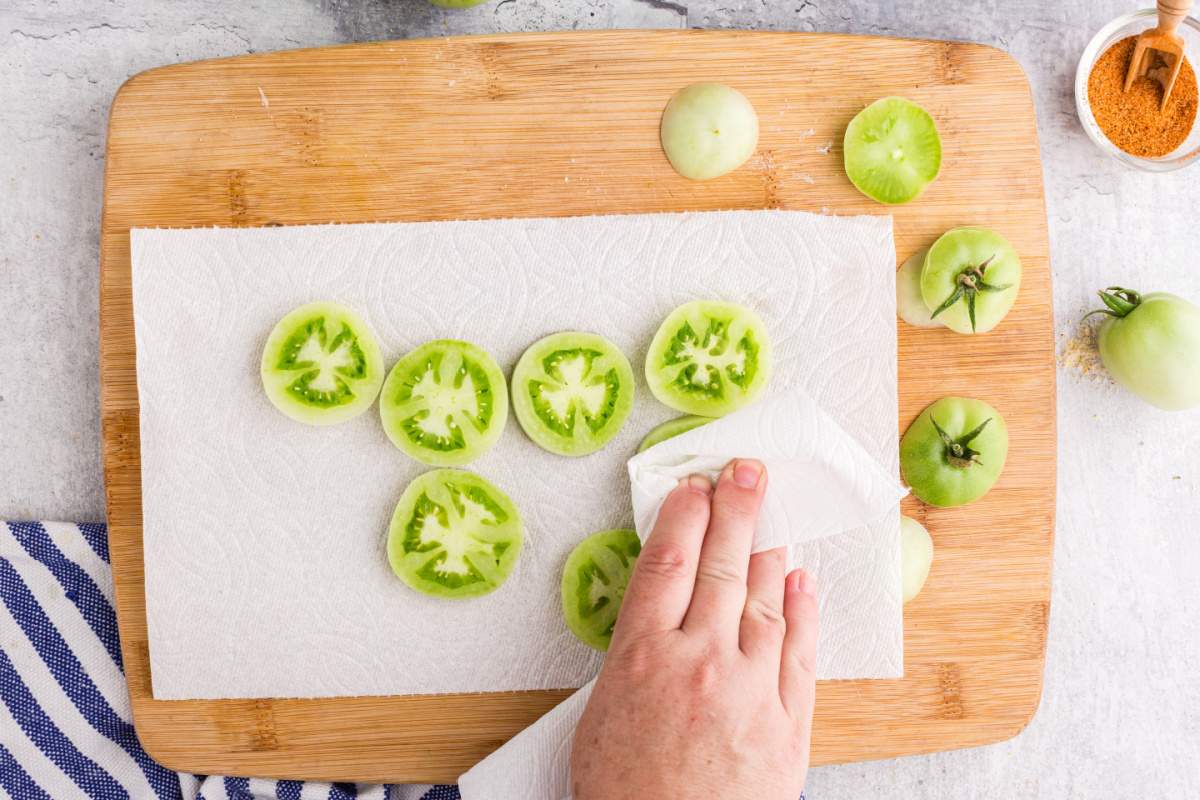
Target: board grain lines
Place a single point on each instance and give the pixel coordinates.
(563, 124)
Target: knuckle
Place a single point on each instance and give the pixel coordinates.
(662, 560)
(721, 570)
(639, 656)
(687, 503)
(765, 615)
(706, 675)
(803, 613)
(633, 657)
(804, 664)
(776, 556)
(738, 506)
(796, 745)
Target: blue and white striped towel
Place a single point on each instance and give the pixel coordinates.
(65, 726)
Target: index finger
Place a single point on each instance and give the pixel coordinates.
(664, 575)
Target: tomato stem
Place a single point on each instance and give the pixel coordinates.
(1119, 301)
(958, 451)
(969, 283)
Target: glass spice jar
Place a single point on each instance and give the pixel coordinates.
(1131, 25)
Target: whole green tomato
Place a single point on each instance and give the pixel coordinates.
(954, 451)
(1151, 345)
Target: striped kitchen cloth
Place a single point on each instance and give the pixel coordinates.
(65, 726)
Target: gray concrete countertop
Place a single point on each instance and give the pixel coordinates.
(1121, 709)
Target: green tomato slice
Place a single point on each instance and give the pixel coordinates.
(321, 364)
(707, 130)
(572, 392)
(445, 403)
(892, 150)
(971, 279)
(954, 451)
(454, 535)
(593, 584)
(910, 305)
(670, 429)
(709, 358)
(916, 556)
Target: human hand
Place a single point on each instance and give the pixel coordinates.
(708, 687)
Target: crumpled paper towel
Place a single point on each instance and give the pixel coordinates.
(821, 483)
(264, 539)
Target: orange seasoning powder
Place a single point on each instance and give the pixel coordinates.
(1132, 120)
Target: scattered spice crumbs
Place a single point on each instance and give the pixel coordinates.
(1081, 353)
(1132, 120)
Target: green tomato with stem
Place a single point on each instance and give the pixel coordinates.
(954, 451)
(1151, 345)
(970, 279)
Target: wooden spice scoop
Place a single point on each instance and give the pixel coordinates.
(1159, 50)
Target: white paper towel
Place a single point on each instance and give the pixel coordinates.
(536, 763)
(821, 483)
(820, 480)
(264, 539)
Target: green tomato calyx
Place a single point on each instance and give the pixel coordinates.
(1119, 301)
(969, 283)
(958, 451)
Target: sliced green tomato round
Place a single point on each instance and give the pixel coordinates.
(572, 392)
(709, 358)
(910, 306)
(593, 584)
(971, 279)
(707, 130)
(892, 150)
(954, 451)
(454, 534)
(444, 403)
(916, 556)
(321, 364)
(670, 429)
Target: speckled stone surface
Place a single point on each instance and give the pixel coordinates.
(1121, 710)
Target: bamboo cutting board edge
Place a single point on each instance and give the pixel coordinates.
(957, 672)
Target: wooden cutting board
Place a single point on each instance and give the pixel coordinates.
(564, 124)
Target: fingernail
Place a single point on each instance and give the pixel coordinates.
(807, 583)
(700, 483)
(793, 581)
(747, 473)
